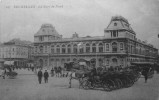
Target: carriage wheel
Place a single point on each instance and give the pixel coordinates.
(87, 85)
(106, 87)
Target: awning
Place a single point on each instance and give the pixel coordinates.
(30, 64)
(9, 63)
(85, 59)
(82, 63)
(142, 63)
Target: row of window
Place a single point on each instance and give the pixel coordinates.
(81, 49)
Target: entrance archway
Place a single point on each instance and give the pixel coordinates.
(41, 63)
(114, 62)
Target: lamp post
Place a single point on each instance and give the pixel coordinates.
(80, 45)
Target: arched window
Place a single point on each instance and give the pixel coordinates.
(41, 49)
(75, 48)
(74, 60)
(63, 49)
(100, 62)
(100, 47)
(52, 62)
(68, 59)
(114, 47)
(46, 49)
(69, 48)
(115, 24)
(87, 48)
(93, 47)
(57, 49)
(62, 61)
(52, 49)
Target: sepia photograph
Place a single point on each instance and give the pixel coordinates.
(79, 49)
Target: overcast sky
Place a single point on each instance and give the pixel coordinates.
(86, 17)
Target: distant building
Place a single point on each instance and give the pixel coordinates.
(118, 47)
(17, 51)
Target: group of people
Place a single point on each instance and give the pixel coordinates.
(40, 75)
(57, 71)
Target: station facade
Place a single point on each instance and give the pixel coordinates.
(117, 47)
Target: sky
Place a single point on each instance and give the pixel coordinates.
(85, 17)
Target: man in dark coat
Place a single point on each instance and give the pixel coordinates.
(40, 74)
(52, 72)
(46, 75)
(145, 73)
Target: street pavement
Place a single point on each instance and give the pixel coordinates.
(26, 87)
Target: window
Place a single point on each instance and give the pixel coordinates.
(114, 47)
(45, 62)
(63, 49)
(87, 48)
(107, 62)
(41, 49)
(41, 38)
(122, 62)
(52, 49)
(57, 49)
(100, 47)
(68, 59)
(107, 47)
(121, 46)
(45, 49)
(115, 24)
(36, 49)
(81, 50)
(114, 33)
(75, 48)
(94, 47)
(69, 48)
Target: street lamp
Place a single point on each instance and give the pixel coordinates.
(80, 45)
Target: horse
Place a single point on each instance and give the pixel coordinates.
(75, 72)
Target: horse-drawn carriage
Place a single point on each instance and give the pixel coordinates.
(9, 72)
(146, 68)
(108, 80)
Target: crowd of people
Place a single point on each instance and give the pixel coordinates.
(54, 72)
(59, 72)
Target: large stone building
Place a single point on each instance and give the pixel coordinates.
(117, 47)
(17, 52)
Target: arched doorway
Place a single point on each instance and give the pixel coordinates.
(41, 63)
(93, 62)
(114, 62)
(114, 47)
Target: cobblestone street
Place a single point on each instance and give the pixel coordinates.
(26, 87)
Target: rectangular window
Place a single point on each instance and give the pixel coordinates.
(41, 38)
(114, 33)
(45, 49)
(107, 62)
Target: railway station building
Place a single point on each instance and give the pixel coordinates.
(118, 46)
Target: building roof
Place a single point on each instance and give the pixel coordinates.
(47, 29)
(17, 41)
(119, 23)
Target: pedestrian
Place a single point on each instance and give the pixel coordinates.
(145, 74)
(59, 71)
(46, 75)
(40, 74)
(3, 73)
(52, 72)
